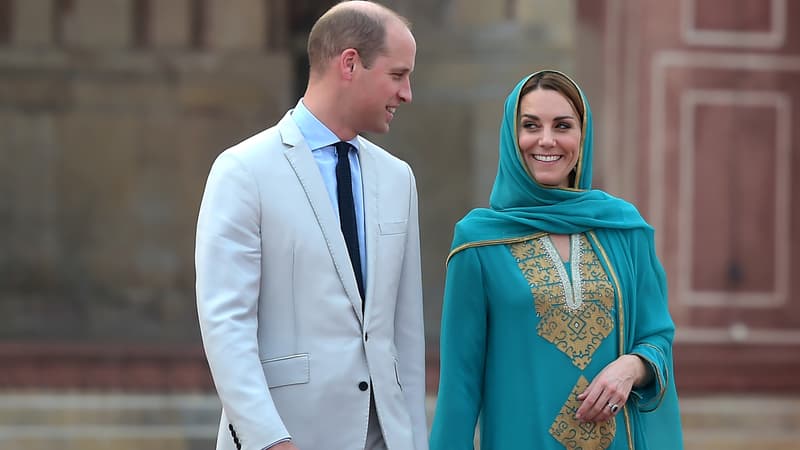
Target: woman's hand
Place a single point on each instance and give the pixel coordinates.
(610, 389)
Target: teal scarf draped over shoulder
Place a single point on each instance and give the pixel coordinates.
(520, 207)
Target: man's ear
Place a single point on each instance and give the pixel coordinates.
(347, 62)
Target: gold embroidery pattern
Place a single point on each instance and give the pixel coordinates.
(576, 332)
(575, 435)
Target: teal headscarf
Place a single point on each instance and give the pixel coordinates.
(520, 208)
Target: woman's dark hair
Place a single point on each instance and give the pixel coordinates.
(556, 81)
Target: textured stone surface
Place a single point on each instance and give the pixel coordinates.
(32, 24)
(237, 24)
(43, 420)
(110, 159)
(111, 150)
(169, 23)
(98, 24)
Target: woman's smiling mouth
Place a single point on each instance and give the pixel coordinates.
(546, 158)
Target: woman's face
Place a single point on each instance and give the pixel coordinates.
(549, 136)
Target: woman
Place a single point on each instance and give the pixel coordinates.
(555, 327)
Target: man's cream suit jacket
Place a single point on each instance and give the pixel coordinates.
(279, 307)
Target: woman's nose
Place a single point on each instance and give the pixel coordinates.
(547, 140)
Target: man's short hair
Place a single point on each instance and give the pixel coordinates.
(343, 27)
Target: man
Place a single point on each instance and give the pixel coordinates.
(309, 295)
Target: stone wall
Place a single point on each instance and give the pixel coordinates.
(106, 146)
(111, 113)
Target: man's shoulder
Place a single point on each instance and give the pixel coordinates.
(256, 144)
(382, 155)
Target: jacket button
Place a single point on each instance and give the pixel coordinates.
(366, 337)
(363, 385)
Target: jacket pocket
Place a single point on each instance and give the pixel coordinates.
(397, 375)
(397, 227)
(286, 370)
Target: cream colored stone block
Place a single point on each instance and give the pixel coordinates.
(556, 16)
(32, 23)
(169, 21)
(542, 11)
(236, 24)
(477, 12)
(98, 24)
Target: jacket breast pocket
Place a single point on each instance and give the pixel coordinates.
(286, 370)
(394, 227)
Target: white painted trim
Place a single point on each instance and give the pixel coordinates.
(658, 106)
(689, 101)
(632, 102)
(611, 104)
(660, 63)
(737, 335)
(739, 405)
(774, 38)
(619, 144)
(725, 60)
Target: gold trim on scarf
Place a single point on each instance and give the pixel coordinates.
(620, 320)
(492, 242)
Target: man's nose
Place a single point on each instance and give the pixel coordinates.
(405, 92)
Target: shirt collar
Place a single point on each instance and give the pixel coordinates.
(316, 134)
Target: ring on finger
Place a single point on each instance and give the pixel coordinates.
(613, 407)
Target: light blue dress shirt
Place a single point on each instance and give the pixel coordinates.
(320, 140)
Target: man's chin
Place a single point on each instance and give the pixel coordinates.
(378, 130)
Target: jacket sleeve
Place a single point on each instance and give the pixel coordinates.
(462, 354)
(228, 265)
(409, 327)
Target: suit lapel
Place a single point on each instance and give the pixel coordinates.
(305, 167)
(369, 182)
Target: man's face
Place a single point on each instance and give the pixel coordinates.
(379, 90)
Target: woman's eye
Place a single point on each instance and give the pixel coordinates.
(564, 125)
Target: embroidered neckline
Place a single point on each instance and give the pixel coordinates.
(573, 291)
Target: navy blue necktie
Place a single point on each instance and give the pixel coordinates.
(347, 211)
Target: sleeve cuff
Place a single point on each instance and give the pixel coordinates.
(281, 441)
(649, 396)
